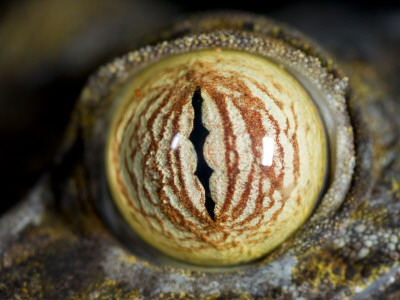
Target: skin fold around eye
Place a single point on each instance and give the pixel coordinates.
(326, 88)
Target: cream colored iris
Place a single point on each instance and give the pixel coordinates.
(265, 145)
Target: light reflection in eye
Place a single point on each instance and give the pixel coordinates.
(175, 141)
(268, 151)
(267, 146)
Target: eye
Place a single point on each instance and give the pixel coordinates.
(219, 146)
(215, 157)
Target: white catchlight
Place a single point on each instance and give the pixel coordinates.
(175, 141)
(268, 151)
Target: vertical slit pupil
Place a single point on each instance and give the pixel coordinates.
(198, 137)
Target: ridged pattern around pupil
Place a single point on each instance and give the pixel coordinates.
(245, 100)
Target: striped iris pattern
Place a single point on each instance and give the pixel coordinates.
(216, 157)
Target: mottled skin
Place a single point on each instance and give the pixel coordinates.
(56, 245)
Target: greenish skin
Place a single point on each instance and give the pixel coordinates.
(56, 244)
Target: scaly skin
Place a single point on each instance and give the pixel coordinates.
(56, 245)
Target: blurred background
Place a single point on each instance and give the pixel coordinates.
(48, 48)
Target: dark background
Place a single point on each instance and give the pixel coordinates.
(49, 48)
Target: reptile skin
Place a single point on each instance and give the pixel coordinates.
(55, 244)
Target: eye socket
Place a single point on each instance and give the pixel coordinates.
(215, 152)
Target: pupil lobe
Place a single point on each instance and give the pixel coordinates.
(198, 137)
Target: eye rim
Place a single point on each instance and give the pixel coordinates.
(97, 99)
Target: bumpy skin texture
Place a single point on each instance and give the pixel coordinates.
(55, 245)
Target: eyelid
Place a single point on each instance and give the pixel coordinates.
(326, 87)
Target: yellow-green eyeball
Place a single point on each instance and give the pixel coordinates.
(215, 157)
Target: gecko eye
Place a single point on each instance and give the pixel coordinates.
(220, 146)
(215, 157)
